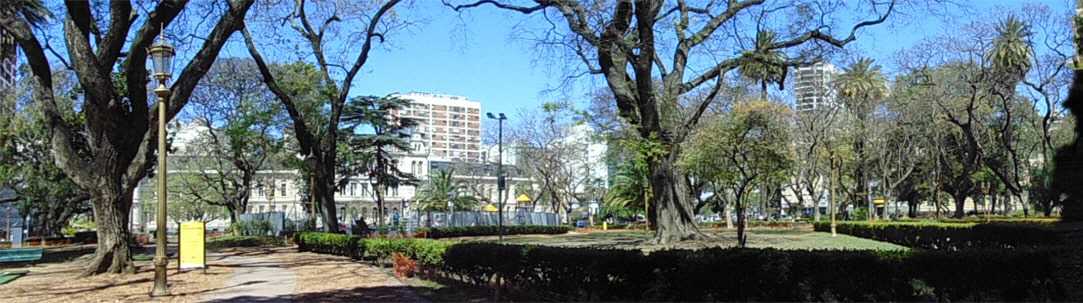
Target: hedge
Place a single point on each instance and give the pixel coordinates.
(426, 251)
(953, 236)
(491, 230)
(716, 274)
(242, 241)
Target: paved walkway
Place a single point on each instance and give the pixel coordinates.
(255, 278)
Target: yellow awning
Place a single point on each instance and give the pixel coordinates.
(490, 208)
(522, 198)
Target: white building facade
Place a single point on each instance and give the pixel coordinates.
(448, 136)
(813, 88)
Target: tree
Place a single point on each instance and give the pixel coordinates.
(237, 123)
(812, 131)
(552, 147)
(109, 152)
(1011, 57)
(317, 137)
(1045, 86)
(390, 136)
(629, 193)
(861, 87)
(42, 190)
(769, 64)
(1069, 158)
(741, 150)
(624, 43)
(441, 190)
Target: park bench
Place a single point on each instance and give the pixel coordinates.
(17, 255)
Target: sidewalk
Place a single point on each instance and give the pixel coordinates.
(261, 279)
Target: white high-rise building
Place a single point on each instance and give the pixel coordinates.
(8, 54)
(448, 126)
(813, 88)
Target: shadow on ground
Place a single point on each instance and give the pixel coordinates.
(358, 294)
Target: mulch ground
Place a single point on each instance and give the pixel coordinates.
(60, 282)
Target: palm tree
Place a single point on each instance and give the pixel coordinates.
(442, 188)
(629, 193)
(764, 64)
(860, 86)
(1011, 52)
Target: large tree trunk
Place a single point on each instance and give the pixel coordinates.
(960, 202)
(325, 194)
(112, 254)
(742, 238)
(675, 221)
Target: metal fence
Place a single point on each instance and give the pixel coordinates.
(277, 220)
(477, 218)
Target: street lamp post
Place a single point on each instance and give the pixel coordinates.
(161, 54)
(500, 184)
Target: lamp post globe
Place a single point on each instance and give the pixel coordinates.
(161, 55)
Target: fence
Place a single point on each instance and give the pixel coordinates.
(277, 220)
(476, 218)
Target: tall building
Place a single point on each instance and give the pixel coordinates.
(7, 59)
(813, 87)
(448, 126)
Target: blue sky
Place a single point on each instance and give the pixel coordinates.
(475, 54)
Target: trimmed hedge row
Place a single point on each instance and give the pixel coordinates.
(425, 251)
(491, 230)
(953, 236)
(242, 241)
(586, 274)
(331, 243)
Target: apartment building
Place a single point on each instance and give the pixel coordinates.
(813, 88)
(8, 54)
(449, 126)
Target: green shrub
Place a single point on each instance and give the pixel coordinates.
(491, 230)
(716, 274)
(242, 241)
(427, 252)
(952, 236)
(330, 243)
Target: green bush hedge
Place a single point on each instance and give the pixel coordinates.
(426, 251)
(585, 274)
(491, 230)
(331, 243)
(242, 241)
(953, 236)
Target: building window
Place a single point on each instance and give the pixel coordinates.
(282, 190)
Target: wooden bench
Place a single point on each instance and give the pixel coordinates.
(16, 255)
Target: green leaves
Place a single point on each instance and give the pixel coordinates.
(1011, 53)
(861, 84)
(747, 144)
(442, 188)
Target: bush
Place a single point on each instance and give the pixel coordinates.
(953, 236)
(242, 241)
(490, 230)
(716, 274)
(427, 252)
(330, 243)
(405, 267)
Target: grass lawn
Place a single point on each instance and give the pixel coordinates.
(757, 238)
